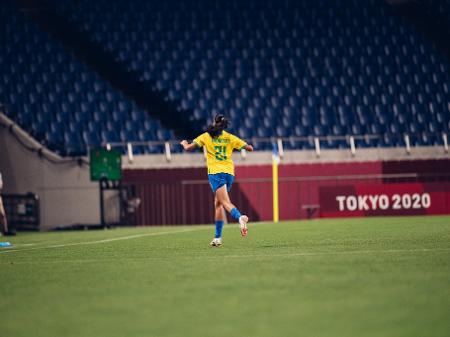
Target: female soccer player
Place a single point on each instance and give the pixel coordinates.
(219, 146)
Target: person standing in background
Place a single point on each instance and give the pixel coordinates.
(3, 221)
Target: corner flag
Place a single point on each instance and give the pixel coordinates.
(275, 162)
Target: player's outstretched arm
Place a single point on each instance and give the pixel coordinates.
(248, 148)
(187, 146)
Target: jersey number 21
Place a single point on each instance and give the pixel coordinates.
(220, 153)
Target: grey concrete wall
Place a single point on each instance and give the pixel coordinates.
(66, 194)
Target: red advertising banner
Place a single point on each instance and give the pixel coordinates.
(400, 187)
(384, 199)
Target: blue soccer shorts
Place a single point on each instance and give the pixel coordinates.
(219, 179)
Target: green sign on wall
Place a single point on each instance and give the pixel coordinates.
(105, 164)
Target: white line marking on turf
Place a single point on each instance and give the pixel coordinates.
(24, 244)
(135, 236)
(217, 257)
(350, 252)
(120, 238)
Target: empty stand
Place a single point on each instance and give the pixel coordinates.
(282, 68)
(58, 99)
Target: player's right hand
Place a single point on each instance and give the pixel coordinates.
(184, 142)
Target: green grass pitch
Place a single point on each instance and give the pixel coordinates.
(347, 277)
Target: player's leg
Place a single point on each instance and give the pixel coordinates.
(219, 217)
(224, 199)
(3, 221)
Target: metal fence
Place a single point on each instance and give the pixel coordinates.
(22, 211)
(316, 143)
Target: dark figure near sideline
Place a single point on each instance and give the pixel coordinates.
(3, 221)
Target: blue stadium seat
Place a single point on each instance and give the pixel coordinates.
(91, 139)
(128, 136)
(74, 145)
(109, 136)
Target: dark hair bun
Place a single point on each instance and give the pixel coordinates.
(220, 120)
(220, 124)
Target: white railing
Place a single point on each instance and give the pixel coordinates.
(314, 142)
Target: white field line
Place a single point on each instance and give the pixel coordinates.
(135, 236)
(219, 257)
(350, 252)
(120, 238)
(25, 244)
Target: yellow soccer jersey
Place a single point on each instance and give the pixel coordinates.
(219, 150)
